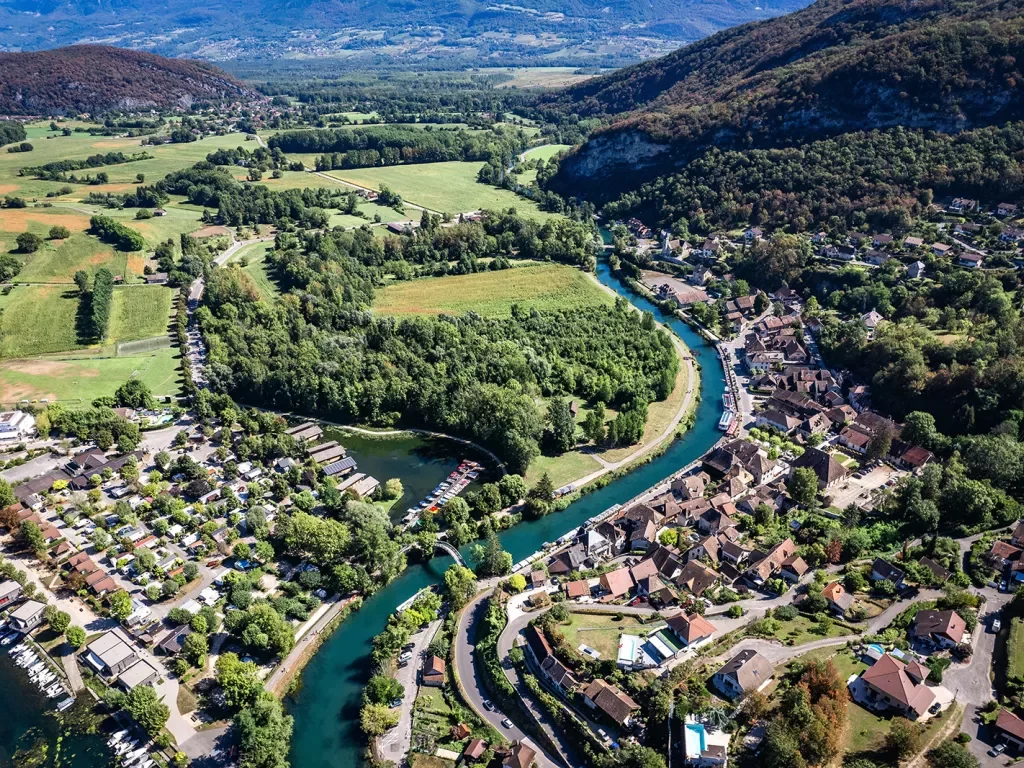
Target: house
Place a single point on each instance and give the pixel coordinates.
(970, 260)
(696, 577)
(140, 673)
(174, 641)
(1006, 209)
(519, 756)
(692, 630)
(793, 568)
(705, 748)
(433, 672)
(700, 276)
(871, 319)
(1018, 535)
(916, 269)
(616, 583)
(943, 628)
(745, 672)
(574, 590)
(878, 258)
(881, 569)
(828, 470)
(26, 616)
(913, 242)
(1002, 554)
(963, 205)
(1011, 727)
(538, 579)
(915, 457)
(572, 559)
(474, 750)
(110, 654)
(16, 425)
(559, 675)
(608, 699)
(753, 234)
(890, 687)
(597, 546)
(10, 591)
(940, 249)
(940, 573)
(839, 600)
(691, 486)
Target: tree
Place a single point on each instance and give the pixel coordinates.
(82, 281)
(950, 754)
(512, 489)
(59, 621)
(240, 680)
(881, 441)
(377, 719)
(59, 232)
(382, 689)
(517, 582)
(135, 393)
(264, 734)
(195, 649)
(75, 636)
(562, 431)
(490, 558)
(393, 489)
(120, 605)
(459, 585)
(903, 739)
(33, 536)
(803, 486)
(29, 242)
(163, 460)
(241, 551)
(149, 712)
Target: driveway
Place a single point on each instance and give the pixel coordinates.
(394, 745)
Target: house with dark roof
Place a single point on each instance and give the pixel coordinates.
(884, 570)
(696, 578)
(943, 628)
(605, 697)
(745, 672)
(1011, 728)
(519, 756)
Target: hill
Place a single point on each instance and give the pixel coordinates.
(832, 68)
(95, 78)
(471, 32)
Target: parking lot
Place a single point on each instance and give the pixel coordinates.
(859, 491)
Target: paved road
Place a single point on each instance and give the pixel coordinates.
(395, 744)
(473, 685)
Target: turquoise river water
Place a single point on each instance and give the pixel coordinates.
(326, 709)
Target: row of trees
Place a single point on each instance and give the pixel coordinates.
(122, 237)
(57, 169)
(101, 299)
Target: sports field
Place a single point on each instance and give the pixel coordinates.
(443, 187)
(492, 294)
(79, 381)
(140, 312)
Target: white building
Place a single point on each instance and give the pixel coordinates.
(16, 425)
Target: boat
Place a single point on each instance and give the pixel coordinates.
(64, 704)
(726, 421)
(116, 737)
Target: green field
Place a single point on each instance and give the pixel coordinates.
(601, 632)
(257, 268)
(81, 380)
(58, 260)
(39, 319)
(545, 152)
(140, 312)
(443, 187)
(369, 210)
(492, 294)
(1015, 650)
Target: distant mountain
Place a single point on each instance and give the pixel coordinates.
(470, 31)
(832, 68)
(95, 78)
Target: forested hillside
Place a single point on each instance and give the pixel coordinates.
(829, 69)
(95, 78)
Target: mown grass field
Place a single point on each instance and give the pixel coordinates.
(545, 152)
(58, 260)
(369, 210)
(140, 312)
(39, 319)
(1015, 650)
(444, 187)
(256, 268)
(601, 632)
(492, 294)
(79, 381)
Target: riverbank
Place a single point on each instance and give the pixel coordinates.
(326, 708)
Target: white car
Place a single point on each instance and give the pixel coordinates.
(506, 723)
(996, 625)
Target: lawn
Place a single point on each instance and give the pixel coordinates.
(79, 381)
(256, 268)
(601, 632)
(39, 319)
(562, 469)
(443, 187)
(804, 630)
(1015, 650)
(492, 294)
(140, 312)
(369, 211)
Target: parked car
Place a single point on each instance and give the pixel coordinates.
(508, 724)
(488, 705)
(996, 625)
(997, 750)
(405, 656)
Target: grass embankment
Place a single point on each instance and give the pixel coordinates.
(254, 256)
(446, 187)
(492, 294)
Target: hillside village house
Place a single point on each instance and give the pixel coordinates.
(1011, 728)
(745, 672)
(605, 697)
(16, 426)
(942, 628)
(891, 684)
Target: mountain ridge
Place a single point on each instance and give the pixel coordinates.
(95, 78)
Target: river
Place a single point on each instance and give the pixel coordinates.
(326, 709)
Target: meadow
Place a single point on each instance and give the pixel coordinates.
(492, 294)
(256, 268)
(78, 381)
(140, 312)
(545, 152)
(442, 187)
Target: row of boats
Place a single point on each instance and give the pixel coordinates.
(446, 490)
(39, 670)
(133, 752)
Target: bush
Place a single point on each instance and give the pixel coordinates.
(785, 612)
(28, 242)
(58, 232)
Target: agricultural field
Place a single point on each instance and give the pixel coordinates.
(166, 158)
(536, 77)
(179, 218)
(78, 381)
(39, 319)
(140, 312)
(442, 187)
(492, 294)
(369, 211)
(256, 268)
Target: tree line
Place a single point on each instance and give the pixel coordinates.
(57, 170)
(122, 237)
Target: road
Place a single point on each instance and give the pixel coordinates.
(472, 682)
(395, 744)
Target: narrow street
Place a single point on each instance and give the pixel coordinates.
(395, 744)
